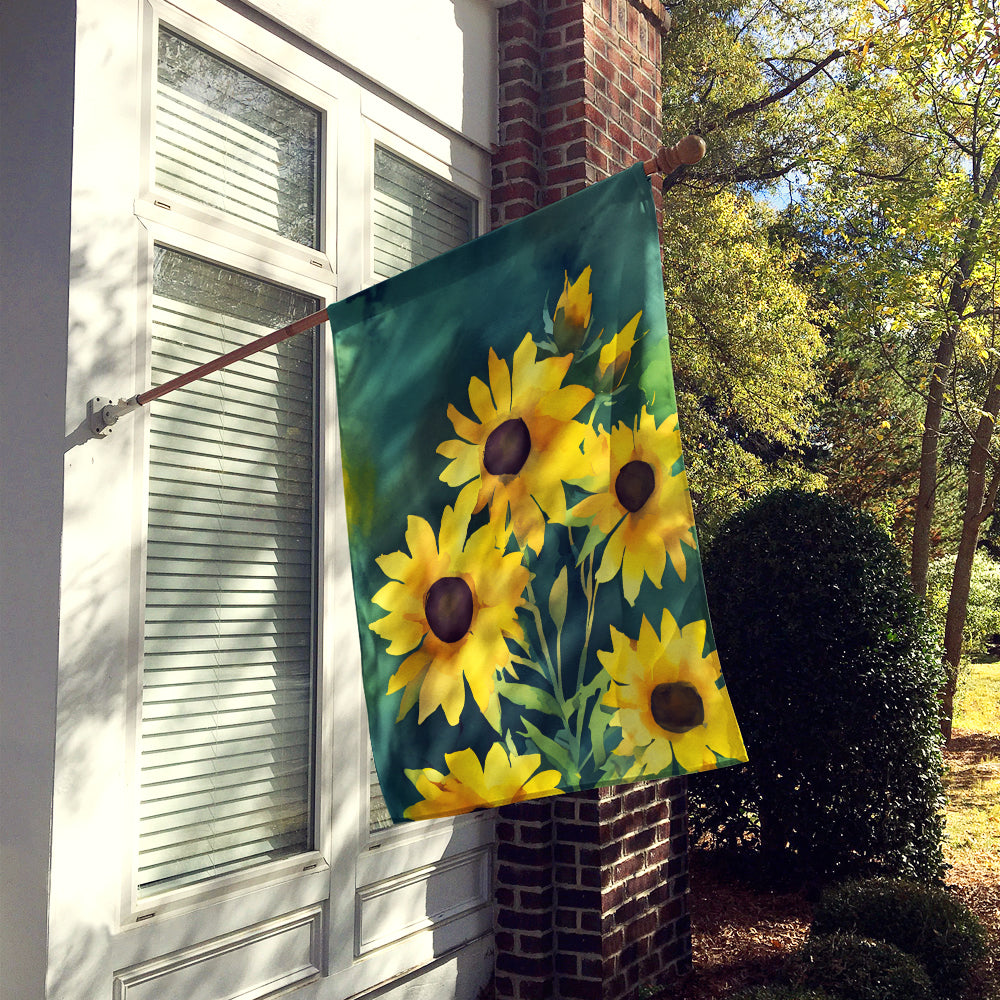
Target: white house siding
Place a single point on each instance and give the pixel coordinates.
(405, 914)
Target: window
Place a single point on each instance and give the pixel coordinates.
(229, 646)
(227, 140)
(416, 216)
(228, 679)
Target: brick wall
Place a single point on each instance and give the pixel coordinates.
(591, 889)
(579, 96)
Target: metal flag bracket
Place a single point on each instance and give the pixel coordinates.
(103, 413)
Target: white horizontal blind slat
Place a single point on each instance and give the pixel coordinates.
(228, 672)
(415, 216)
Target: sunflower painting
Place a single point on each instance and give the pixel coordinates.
(523, 550)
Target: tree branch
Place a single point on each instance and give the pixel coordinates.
(753, 107)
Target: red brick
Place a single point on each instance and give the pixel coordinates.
(521, 965)
(514, 875)
(567, 964)
(541, 944)
(571, 51)
(521, 90)
(521, 130)
(517, 11)
(588, 944)
(518, 49)
(567, 133)
(553, 117)
(573, 988)
(531, 899)
(520, 920)
(519, 111)
(572, 14)
(511, 152)
(553, 77)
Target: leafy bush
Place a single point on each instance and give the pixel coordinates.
(925, 922)
(782, 993)
(857, 968)
(834, 673)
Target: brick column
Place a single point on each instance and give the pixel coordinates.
(591, 889)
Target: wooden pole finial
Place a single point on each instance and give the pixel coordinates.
(688, 151)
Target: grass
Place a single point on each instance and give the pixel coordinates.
(978, 697)
(973, 811)
(973, 783)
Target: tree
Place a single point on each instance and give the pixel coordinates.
(913, 185)
(747, 357)
(747, 353)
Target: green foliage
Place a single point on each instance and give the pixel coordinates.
(782, 992)
(983, 613)
(746, 354)
(833, 674)
(857, 968)
(926, 922)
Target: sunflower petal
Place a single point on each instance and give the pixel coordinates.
(500, 383)
(464, 427)
(481, 400)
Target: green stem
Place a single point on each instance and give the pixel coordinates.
(555, 676)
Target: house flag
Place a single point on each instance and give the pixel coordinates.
(526, 571)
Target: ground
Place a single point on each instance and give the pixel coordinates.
(741, 935)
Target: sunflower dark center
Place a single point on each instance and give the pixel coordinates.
(507, 448)
(634, 485)
(448, 607)
(677, 707)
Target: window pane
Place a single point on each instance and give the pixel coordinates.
(228, 140)
(416, 216)
(228, 658)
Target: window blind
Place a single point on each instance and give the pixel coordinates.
(415, 216)
(226, 741)
(228, 140)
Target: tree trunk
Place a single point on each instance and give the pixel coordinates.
(958, 300)
(920, 552)
(979, 499)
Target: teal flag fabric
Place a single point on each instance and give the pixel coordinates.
(526, 571)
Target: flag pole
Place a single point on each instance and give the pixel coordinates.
(103, 413)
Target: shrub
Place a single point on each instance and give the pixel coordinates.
(782, 993)
(856, 968)
(834, 674)
(926, 922)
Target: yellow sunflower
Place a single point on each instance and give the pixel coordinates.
(572, 315)
(469, 785)
(669, 706)
(451, 601)
(643, 507)
(524, 443)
